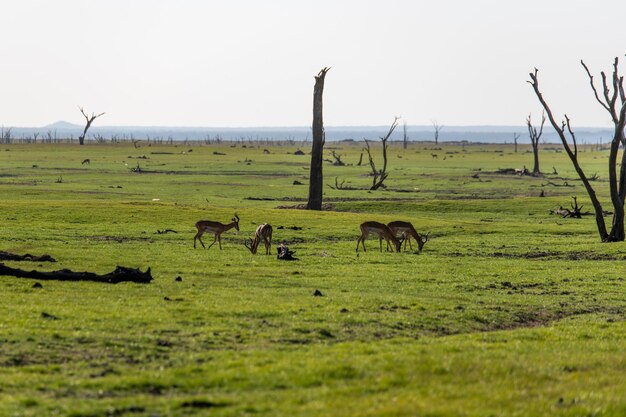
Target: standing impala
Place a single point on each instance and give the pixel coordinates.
(379, 229)
(216, 228)
(407, 231)
(263, 232)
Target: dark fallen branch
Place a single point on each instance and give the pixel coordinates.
(341, 186)
(565, 184)
(513, 171)
(162, 232)
(120, 274)
(7, 256)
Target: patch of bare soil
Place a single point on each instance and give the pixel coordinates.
(549, 255)
(118, 239)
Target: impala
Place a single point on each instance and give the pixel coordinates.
(216, 228)
(263, 232)
(407, 231)
(379, 229)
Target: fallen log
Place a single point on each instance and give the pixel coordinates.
(285, 254)
(8, 256)
(162, 232)
(120, 274)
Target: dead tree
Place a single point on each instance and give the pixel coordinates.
(437, 128)
(316, 178)
(89, 121)
(534, 141)
(337, 159)
(611, 91)
(379, 176)
(405, 136)
(515, 138)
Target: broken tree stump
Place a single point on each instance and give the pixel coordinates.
(120, 274)
(284, 253)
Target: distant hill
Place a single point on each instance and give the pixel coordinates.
(61, 124)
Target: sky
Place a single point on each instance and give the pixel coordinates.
(246, 63)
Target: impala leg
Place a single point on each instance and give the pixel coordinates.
(268, 246)
(362, 241)
(410, 245)
(197, 236)
(214, 240)
(219, 240)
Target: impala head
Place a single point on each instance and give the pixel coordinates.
(236, 221)
(251, 247)
(397, 242)
(421, 240)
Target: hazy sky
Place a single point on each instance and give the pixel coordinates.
(252, 63)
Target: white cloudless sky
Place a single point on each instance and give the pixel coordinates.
(252, 63)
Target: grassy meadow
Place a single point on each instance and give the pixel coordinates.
(508, 311)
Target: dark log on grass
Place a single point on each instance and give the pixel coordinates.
(162, 232)
(285, 254)
(120, 274)
(7, 256)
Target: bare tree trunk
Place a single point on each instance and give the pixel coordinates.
(536, 170)
(405, 136)
(316, 177)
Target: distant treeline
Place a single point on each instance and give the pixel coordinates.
(484, 134)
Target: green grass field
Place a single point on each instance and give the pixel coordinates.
(508, 311)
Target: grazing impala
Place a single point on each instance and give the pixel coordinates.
(378, 229)
(407, 231)
(216, 228)
(263, 232)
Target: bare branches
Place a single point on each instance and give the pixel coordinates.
(610, 97)
(379, 176)
(560, 130)
(532, 131)
(437, 128)
(593, 87)
(92, 117)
